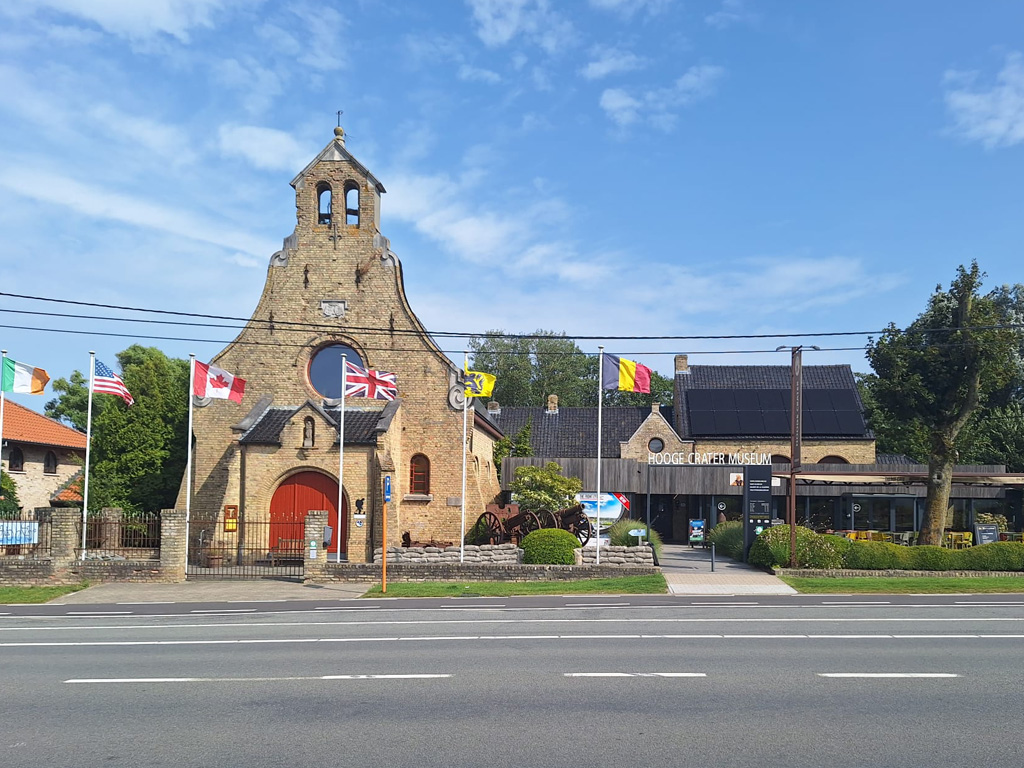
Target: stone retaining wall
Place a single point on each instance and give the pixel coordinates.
(503, 554)
(841, 573)
(366, 572)
(617, 556)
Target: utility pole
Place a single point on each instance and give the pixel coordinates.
(796, 403)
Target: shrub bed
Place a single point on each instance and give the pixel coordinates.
(618, 535)
(728, 539)
(549, 546)
(825, 551)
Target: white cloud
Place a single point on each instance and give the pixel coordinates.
(656, 105)
(99, 203)
(609, 61)
(630, 7)
(499, 22)
(731, 12)
(993, 115)
(477, 75)
(167, 141)
(265, 148)
(323, 42)
(257, 85)
(141, 19)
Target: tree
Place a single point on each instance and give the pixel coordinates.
(513, 445)
(544, 488)
(72, 402)
(939, 371)
(138, 452)
(10, 507)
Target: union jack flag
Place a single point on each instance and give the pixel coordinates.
(377, 385)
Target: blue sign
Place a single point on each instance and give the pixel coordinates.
(387, 488)
(19, 532)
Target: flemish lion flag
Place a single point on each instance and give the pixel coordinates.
(22, 378)
(479, 384)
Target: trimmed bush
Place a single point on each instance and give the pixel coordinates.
(928, 557)
(771, 548)
(618, 535)
(876, 556)
(549, 546)
(998, 556)
(825, 552)
(728, 539)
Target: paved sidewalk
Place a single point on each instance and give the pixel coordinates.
(211, 592)
(688, 572)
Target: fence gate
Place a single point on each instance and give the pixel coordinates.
(255, 549)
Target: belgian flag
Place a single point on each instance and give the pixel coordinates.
(617, 373)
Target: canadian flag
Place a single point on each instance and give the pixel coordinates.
(210, 381)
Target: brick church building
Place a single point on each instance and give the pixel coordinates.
(336, 287)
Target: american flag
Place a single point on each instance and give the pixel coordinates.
(378, 385)
(105, 380)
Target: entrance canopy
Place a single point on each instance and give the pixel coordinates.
(873, 475)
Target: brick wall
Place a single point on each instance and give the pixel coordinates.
(35, 487)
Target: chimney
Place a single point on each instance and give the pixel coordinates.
(682, 364)
(655, 407)
(552, 404)
(493, 408)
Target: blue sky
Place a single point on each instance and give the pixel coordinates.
(620, 167)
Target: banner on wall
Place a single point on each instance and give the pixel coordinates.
(613, 506)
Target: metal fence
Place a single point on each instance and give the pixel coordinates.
(26, 537)
(253, 549)
(117, 535)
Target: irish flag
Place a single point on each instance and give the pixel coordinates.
(19, 377)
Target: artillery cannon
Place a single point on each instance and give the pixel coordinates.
(573, 519)
(496, 528)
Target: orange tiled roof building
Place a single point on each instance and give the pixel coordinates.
(41, 455)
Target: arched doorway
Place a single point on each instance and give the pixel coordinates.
(299, 494)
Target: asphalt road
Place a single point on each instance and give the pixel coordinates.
(842, 681)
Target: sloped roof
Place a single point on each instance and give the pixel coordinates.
(361, 425)
(70, 490)
(334, 152)
(572, 432)
(762, 377)
(23, 425)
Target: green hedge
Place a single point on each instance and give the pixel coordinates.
(618, 535)
(549, 546)
(771, 549)
(728, 539)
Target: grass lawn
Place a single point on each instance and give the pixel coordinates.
(10, 595)
(626, 585)
(904, 585)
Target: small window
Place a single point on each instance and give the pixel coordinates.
(352, 205)
(308, 432)
(419, 474)
(323, 203)
(833, 460)
(50, 463)
(15, 460)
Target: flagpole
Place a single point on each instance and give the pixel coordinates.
(188, 452)
(600, 400)
(3, 357)
(88, 446)
(341, 455)
(465, 411)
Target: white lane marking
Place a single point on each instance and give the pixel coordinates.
(345, 608)
(723, 603)
(250, 679)
(886, 675)
(276, 600)
(149, 602)
(413, 622)
(425, 638)
(223, 610)
(470, 607)
(98, 613)
(635, 674)
(856, 602)
(989, 603)
(594, 605)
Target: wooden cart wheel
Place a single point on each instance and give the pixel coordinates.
(531, 522)
(493, 529)
(547, 518)
(582, 529)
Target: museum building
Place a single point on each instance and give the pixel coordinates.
(685, 460)
(335, 288)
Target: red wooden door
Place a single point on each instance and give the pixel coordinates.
(298, 495)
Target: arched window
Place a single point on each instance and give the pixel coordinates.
(50, 463)
(323, 203)
(308, 432)
(778, 458)
(15, 460)
(352, 204)
(833, 460)
(419, 474)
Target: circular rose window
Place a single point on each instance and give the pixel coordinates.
(657, 445)
(325, 369)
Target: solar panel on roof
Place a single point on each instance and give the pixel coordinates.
(817, 400)
(826, 423)
(747, 400)
(850, 422)
(776, 422)
(844, 400)
(727, 423)
(702, 422)
(723, 400)
(699, 400)
(751, 422)
(773, 399)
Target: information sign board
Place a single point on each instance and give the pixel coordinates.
(986, 533)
